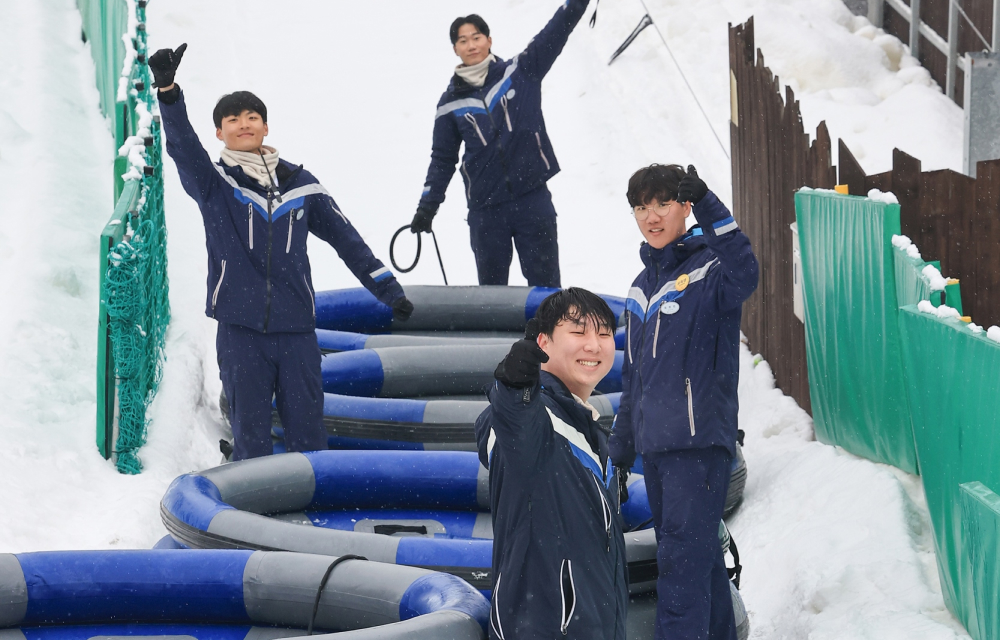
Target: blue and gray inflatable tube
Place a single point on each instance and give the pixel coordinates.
(228, 595)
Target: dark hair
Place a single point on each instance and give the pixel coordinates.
(657, 182)
(236, 103)
(472, 19)
(576, 305)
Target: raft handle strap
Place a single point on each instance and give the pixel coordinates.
(390, 529)
(734, 573)
(322, 584)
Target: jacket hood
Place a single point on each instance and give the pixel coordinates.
(674, 253)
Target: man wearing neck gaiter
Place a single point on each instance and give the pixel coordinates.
(258, 211)
(494, 107)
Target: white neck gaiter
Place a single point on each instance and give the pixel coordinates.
(476, 74)
(253, 165)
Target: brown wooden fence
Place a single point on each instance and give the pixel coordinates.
(950, 217)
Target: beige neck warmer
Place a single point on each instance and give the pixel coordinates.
(476, 74)
(252, 164)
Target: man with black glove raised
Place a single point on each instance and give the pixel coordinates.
(679, 378)
(558, 552)
(494, 107)
(258, 211)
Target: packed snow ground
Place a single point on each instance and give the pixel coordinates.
(833, 546)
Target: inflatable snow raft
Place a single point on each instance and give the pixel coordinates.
(229, 595)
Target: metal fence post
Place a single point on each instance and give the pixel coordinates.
(949, 83)
(875, 12)
(915, 28)
(982, 110)
(996, 25)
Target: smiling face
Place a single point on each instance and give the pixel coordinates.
(580, 353)
(472, 46)
(664, 221)
(244, 132)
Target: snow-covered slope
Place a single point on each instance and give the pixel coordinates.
(834, 546)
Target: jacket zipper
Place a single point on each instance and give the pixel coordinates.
(312, 297)
(628, 335)
(468, 178)
(506, 114)
(656, 333)
(566, 574)
(472, 119)
(218, 285)
(538, 139)
(642, 340)
(495, 610)
(503, 157)
(270, 239)
(606, 512)
(687, 383)
(291, 220)
(250, 223)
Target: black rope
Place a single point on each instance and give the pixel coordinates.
(645, 22)
(734, 573)
(322, 583)
(416, 258)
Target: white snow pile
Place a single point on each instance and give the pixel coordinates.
(934, 277)
(883, 196)
(904, 243)
(833, 546)
(993, 333)
(944, 311)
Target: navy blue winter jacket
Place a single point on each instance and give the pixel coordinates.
(258, 270)
(559, 567)
(681, 365)
(507, 150)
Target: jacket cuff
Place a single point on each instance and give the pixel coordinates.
(713, 216)
(169, 97)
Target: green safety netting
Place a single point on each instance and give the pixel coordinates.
(953, 380)
(856, 381)
(104, 23)
(135, 309)
(981, 538)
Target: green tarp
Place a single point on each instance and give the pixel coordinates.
(981, 538)
(953, 379)
(104, 22)
(856, 380)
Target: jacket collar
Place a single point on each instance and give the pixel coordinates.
(580, 417)
(459, 86)
(286, 173)
(675, 253)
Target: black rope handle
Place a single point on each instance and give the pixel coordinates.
(416, 258)
(322, 584)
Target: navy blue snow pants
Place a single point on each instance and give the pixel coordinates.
(530, 221)
(255, 367)
(687, 493)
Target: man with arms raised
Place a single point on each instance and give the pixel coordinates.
(258, 211)
(679, 405)
(558, 552)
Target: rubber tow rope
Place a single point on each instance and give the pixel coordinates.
(416, 258)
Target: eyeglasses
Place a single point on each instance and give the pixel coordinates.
(641, 212)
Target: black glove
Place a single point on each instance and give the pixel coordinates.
(520, 368)
(622, 474)
(401, 309)
(692, 188)
(163, 65)
(422, 220)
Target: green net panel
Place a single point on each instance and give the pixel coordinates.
(135, 309)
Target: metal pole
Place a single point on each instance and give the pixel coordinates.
(915, 28)
(996, 25)
(875, 10)
(949, 82)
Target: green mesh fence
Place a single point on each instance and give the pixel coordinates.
(981, 537)
(135, 309)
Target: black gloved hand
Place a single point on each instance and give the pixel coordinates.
(422, 220)
(163, 65)
(402, 309)
(622, 474)
(521, 367)
(691, 188)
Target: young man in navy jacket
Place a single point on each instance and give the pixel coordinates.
(559, 567)
(679, 405)
(494, 106)
(258, 211)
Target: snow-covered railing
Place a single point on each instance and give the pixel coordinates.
(134, 307)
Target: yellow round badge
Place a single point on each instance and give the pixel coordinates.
(682, 282)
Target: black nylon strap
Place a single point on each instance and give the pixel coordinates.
(322, 584)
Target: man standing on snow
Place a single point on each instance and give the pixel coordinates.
(558, 552)
(679, 405)
(494, 106)
(258, 211)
